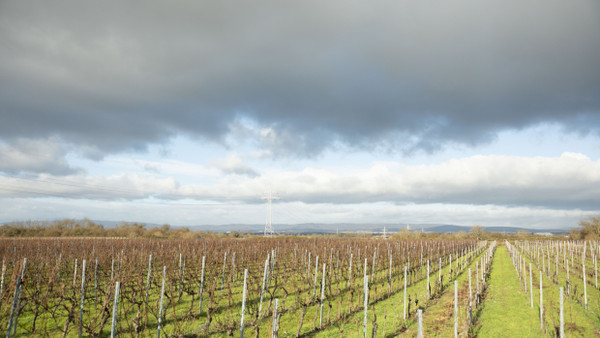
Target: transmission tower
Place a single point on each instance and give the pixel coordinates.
(269, 224)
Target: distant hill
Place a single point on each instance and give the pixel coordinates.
(114, 224)
(363, 227)
(508, 230)
(316, 228)
(324, 228)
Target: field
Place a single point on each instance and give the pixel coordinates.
(295, 286)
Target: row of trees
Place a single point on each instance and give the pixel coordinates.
(87, 228)
(589, 229)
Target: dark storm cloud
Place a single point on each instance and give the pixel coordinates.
(117, 75)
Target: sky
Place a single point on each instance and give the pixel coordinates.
(187, 112)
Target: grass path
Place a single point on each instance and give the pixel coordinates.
(506, 309)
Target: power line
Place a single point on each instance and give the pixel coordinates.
(92, 189)
(50, 180)
(298, 214)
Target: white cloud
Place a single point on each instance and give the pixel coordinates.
(233, 164)
(189, 213)
(492, 189)
(35, 155)
(568, 180)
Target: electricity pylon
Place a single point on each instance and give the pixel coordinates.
(269, 224)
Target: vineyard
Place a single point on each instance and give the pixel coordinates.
(290, 287)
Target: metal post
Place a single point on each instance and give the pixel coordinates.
(455, 309)
(316, 274)
(541, 303)
(322, 296)
(243, 303)
(202, 283)
(96, 282)
(531, 284)
(428, 285)
(365, 304)
(113, 330)
(16, 300)
(349, 272)
(420, 320)
(477, 279)
(82, 297)
(148, 278)
(585, 302)
(404, 292)
(264, 281)
(223, 274)
(275, 321)
(160, 308)
(562, 314)
(470, 299)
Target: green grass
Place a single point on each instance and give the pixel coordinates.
(579, 322)
(438, 317)
(225, 315)
(389, 311)
(507, 310)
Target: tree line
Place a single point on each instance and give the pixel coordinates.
(87, 228)
(589, 229)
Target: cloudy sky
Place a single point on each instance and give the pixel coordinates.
(187, 112)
